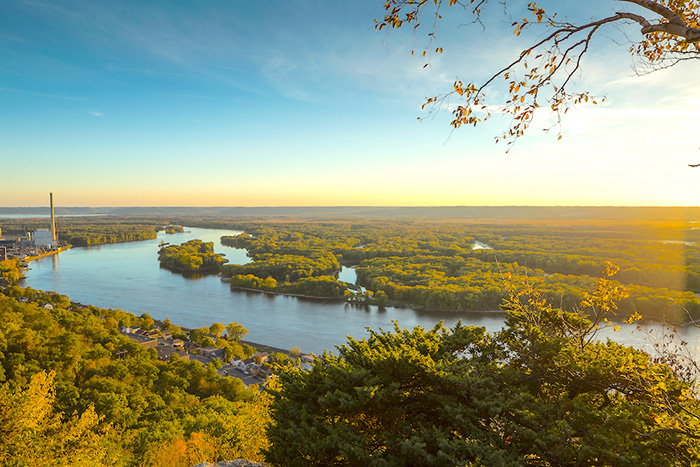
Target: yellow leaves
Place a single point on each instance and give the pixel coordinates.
(35, 434)
(634, 317)
(184, 453)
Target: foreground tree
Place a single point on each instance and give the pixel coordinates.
(662, 33)
(33, 433)
(542, 392)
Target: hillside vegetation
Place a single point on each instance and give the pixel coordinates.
(75, 391)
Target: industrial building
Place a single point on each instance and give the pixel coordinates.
(40, 242)
(43, 238)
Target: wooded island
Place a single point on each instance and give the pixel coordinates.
(192, 256)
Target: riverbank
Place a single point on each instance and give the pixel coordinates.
(29, 258)
(285, 294)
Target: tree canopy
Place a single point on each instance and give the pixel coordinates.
(541, 392)
(75, 391)
(660, 34)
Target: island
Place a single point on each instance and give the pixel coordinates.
(171, 229)
(192, 256)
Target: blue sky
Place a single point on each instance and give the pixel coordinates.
(272, 103)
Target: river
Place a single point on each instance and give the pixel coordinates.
(128, 276)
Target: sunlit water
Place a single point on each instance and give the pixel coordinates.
(128, 276)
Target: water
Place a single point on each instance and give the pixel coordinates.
(128, 276)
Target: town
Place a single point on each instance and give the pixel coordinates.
(253, 370)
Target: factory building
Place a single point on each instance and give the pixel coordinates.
(43, 238)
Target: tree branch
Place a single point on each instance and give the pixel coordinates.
(552, 62)
(675, 26)
(659, 9)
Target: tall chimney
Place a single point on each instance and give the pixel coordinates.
(53, 221)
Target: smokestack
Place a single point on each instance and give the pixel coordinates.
(53, 221)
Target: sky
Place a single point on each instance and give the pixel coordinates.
(303, 103)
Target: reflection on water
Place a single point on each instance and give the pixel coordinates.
(128, 276)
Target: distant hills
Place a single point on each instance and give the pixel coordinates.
(439, 212)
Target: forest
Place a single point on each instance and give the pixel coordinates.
(442, 263)
(74, 391)
(470, 265)
(192, 256)
(543, 391)
(88, 230)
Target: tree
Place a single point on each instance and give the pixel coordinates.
(10, 271)
(543, 391)
(33, 433)
(146, 321)
(216, 329)
(541, 75)
(235, 331)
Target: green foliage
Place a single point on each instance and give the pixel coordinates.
(87, 231)
(320, 286)
(235, 332)
(436, 266)
(33, 433)
(128, 408)
(287, 268)
(541, 392)
(250, 281)
(191, 256)
(171, 229)
(10, 272)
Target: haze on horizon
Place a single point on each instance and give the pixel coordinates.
(275, 104)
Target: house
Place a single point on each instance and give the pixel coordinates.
(253, 369)
(147, 342)
(165, 352)
(261, 357)
(178, 344)
(192, 347)
(227, 370)
(264, 371)
(212, 352)
(238, 364)
(307, 359)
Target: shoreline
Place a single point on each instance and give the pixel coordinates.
(271, 292)
(28, 258)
